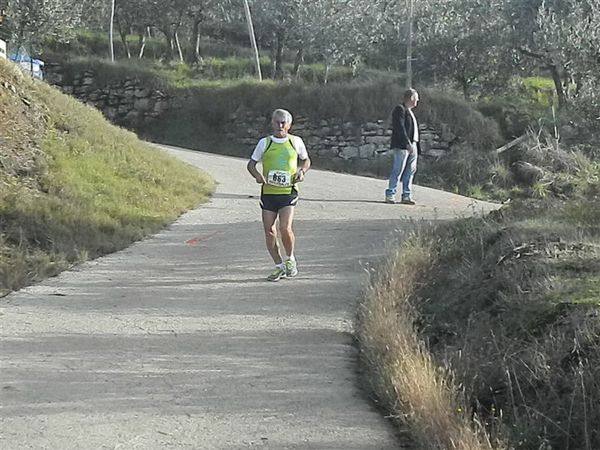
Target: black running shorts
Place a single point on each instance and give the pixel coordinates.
(274, 202)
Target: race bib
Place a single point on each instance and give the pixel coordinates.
(279, 178)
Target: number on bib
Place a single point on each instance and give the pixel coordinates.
(279, 178)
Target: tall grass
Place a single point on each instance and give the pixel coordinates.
(502, 316)
(412, 386)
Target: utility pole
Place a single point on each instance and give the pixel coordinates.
(409, 45)
(252, 39)
(112, 21)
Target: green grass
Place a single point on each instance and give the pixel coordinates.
(107, 72)
(527, 103)
(94, 188)
(212, 71)
(222, 60)
(540, 90)
(578, 291)
(89, 42)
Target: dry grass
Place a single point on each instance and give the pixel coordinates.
(403, 373)
(485, 333)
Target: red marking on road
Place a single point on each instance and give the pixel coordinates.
(196, 240)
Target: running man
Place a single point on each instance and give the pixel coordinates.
(284, 162)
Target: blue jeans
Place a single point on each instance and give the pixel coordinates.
(404, 168)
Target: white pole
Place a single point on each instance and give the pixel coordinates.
(252, 39)
(409, 45)
(112, 20)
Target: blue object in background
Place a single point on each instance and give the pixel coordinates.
(30, 65)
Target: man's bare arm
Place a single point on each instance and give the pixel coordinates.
(304, 166)
(260, 179)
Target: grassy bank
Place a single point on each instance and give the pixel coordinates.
(402, 373)
(485, 333)
(75, 187)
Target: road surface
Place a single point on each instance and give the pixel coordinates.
(179, 342)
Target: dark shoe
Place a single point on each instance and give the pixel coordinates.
(408, 201)
(277, 274)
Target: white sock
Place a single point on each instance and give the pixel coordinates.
(291, 257)
(280, 266)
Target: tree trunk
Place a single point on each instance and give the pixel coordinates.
(123, 35)
(141, 43)
(273, 59)
(178, 45)
(280, 38)
(409, 39)
(560, 93)
(194, 55)
(20, 38)
(298, 62)
(169, 38)
(110, 31)
(464, 86)
(355, 65)
(578, 79)
(558, 86)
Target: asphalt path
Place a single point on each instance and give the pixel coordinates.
(179, 342)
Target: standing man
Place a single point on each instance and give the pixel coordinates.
(405, 145)
(284, 162)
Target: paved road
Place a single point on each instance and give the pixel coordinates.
(177, 342)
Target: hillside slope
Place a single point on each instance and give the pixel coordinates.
(75, 187)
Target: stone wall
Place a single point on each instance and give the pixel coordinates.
(127, 103)
(345, 145)
(333, 143)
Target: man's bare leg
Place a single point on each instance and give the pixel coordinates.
(286, 217)
(268, 219)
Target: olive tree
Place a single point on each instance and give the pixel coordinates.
(561, 37)
(463, 41)
(197, 12)
(337, 31)
(32, 21)
(344, 31)
(277, 25)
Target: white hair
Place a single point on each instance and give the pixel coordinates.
(282, 114)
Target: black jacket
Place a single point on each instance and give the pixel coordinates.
(402, 128)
